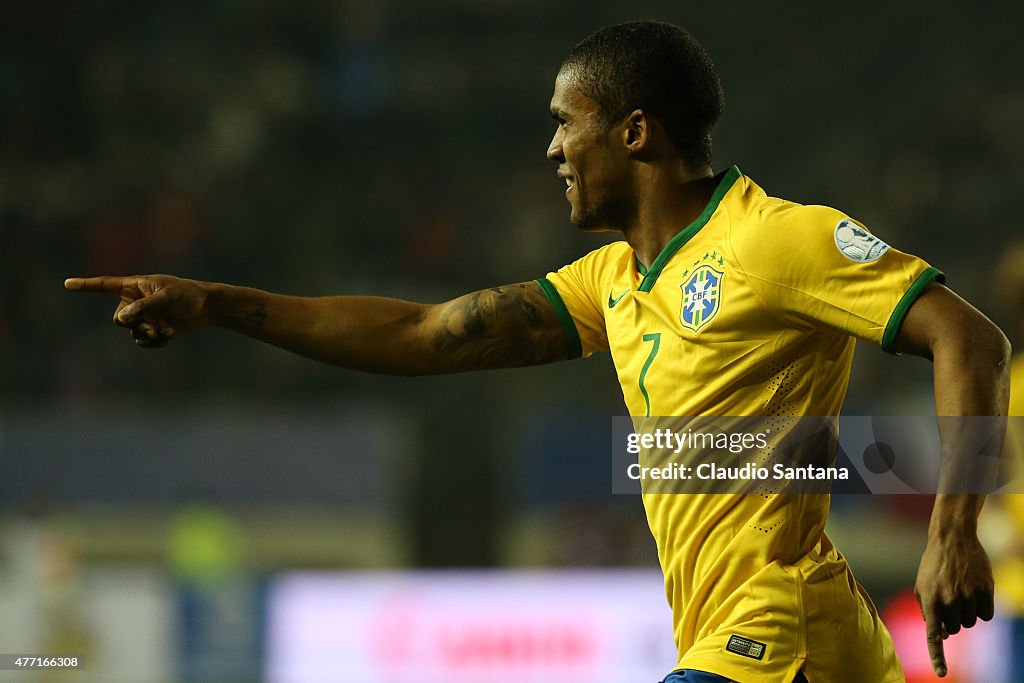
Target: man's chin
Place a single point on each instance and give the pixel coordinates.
(589, 223)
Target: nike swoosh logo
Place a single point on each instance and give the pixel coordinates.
(612, 302)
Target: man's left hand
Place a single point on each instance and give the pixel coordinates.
(954, 588)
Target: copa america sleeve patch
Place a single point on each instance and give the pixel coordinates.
(857, 244)
(746, 647)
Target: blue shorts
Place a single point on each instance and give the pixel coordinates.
(694, 676)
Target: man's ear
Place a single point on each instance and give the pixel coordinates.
(637, 132)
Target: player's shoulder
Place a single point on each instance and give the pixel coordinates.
(608, 255)
(763, 223)
(613, 250)
(756, 210)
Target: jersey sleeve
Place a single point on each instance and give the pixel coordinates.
(815, 266)
(573, 293)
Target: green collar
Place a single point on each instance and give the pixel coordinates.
(651, 274)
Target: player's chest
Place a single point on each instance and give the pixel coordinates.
(700, 296)
(700, 309)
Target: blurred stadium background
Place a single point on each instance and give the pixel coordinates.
(223, 511)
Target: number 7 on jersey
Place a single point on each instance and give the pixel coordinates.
(656, 338)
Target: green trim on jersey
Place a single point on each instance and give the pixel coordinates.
(564, 317)
(900, 312)
(676, 243)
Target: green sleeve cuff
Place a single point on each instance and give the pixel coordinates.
(900, 312)
(564, 317)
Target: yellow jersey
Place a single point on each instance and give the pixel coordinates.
(1008, 565)
(752, 309)
(1017, 385)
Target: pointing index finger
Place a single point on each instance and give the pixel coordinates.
(933, 626)
(95, 284)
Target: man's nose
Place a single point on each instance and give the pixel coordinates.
(555, 149)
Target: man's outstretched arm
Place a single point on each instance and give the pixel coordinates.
(971, 364)
(502, 327)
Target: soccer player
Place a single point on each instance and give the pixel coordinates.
(720, 300)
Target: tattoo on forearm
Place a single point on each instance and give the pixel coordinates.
(501, 327)
(255, 318)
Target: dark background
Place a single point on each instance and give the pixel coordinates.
(397, 148)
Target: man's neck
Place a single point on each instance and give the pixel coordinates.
(667, 206)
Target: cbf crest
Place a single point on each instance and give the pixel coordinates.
(702, 297)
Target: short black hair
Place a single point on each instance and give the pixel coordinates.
(657, 67)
